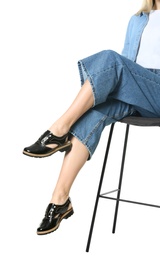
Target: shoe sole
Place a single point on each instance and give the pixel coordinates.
(65, 148)
(66, 215)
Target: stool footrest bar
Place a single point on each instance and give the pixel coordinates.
(109, 192)
(130, 201)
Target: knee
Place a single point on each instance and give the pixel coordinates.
(110, 54)
(112, 57)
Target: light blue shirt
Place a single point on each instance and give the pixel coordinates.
(134, 32)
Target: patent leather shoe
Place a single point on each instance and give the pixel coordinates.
(53, 216)
(40, 149)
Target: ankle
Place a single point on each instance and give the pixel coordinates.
(59, 199)
(59, 129)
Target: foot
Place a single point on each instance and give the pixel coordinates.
(40, 148)
(58, 130)
(53, 217)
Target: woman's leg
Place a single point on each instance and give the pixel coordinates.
(83, 101)
(103, 75)
(56, 138)
(72, 163)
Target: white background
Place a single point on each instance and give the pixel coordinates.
(40, 44)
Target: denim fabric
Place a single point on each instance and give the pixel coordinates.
(134, 32)
(120, 88)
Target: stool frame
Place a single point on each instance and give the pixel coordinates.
(105, 195)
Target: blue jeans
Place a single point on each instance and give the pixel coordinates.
(120, 88)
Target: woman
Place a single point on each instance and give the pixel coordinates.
(113, 86)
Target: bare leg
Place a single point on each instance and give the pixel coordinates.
(60, 206)
(83, 101)
(73, 162)
(76, 158)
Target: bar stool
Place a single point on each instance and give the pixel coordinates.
(131, 120)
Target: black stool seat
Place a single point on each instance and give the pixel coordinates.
(141, 121)
(130, 120)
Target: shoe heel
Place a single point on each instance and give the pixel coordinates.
(66, 149)
(69, 214)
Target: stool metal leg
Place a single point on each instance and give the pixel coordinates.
(120, 179)
(99, 187)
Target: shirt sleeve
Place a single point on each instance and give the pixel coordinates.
(125, 50)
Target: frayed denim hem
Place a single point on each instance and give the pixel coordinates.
(89, 150)
(84, 75)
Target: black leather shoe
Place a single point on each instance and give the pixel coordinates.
(39, 148)
(53, 216)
